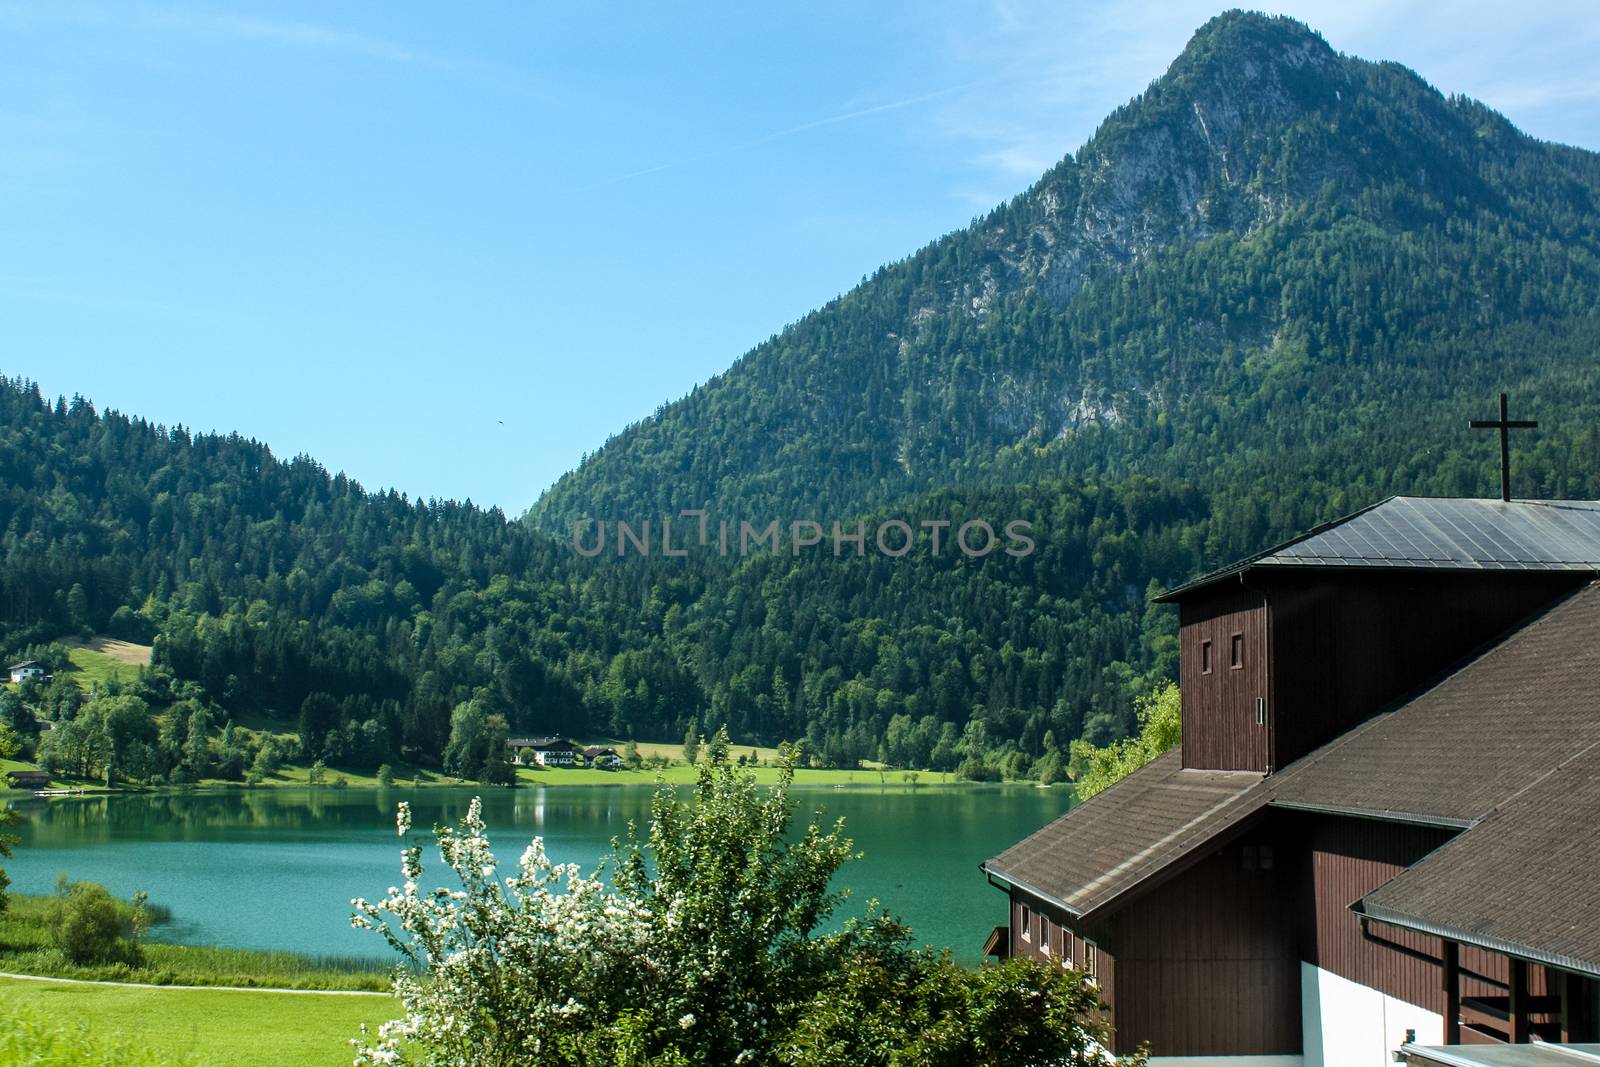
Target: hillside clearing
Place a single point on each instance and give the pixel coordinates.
(100, 660)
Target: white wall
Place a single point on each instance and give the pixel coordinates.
(1346, 1024)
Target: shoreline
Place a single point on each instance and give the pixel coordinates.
(527, 778)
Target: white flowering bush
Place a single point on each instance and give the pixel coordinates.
(713, 948)
(499, 971)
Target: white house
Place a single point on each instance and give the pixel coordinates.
(26, 671)
(545, 751)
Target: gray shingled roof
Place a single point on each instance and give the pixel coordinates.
(1446, 533)
(1507, 747)
(1525, 880)
(1102, 848)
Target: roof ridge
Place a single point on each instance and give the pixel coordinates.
(1469, 534)
(1243, 564)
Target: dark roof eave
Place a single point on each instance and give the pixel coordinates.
(1240, 566)
(1165, 872)
(1017, 883)
(1205, 581)
(1466, 937)
(1409, 817)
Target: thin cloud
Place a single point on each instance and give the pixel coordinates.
(220, 24)
(1579, 90)
(778, 135)
(292, 34)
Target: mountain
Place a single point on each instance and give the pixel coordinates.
(1268, 291)
(1276, 253)
(276, 591)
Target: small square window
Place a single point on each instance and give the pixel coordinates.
(1256, 857)
(1205, 657)
(1236, 652)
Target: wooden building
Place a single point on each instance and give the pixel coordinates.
(1382, 829)
(24, 779)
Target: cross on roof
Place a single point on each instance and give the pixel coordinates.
(1503, 424)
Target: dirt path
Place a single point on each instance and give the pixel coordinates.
(202, 988)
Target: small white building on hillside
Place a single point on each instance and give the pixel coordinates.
(26, 671)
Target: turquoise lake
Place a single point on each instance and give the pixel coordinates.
(277, 868)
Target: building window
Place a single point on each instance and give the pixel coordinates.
(1205, 657)
(1091, 965)
(1044, 935)
(1236, 652)
(1257, 857)
(1026, 924)
(1066, 947)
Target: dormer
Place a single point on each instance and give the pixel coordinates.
(1286, 650)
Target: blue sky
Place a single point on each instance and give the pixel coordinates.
(452, 248)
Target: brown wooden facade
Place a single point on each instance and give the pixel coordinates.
(1222, 674)
(1205, 928)
(1220, 938)
(1208, 961)
(1345, 860)
(1273, 665)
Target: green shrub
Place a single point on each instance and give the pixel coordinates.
(87, 926)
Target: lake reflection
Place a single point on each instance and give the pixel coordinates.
(276, 868)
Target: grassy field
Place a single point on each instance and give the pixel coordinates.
(14, 765)
(207, 1028)
(673, 750)
(102, 659)
(25, 949)
(677, 773)
(683, 774)
(30, 1038)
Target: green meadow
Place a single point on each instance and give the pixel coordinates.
(52, 1024)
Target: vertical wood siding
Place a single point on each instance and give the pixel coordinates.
(1220, 731)
(1349, 858)
(1207, 963)
(1344, 649)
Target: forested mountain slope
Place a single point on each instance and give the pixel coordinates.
(1276, 255)
(364, 618)
(1267, 292)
